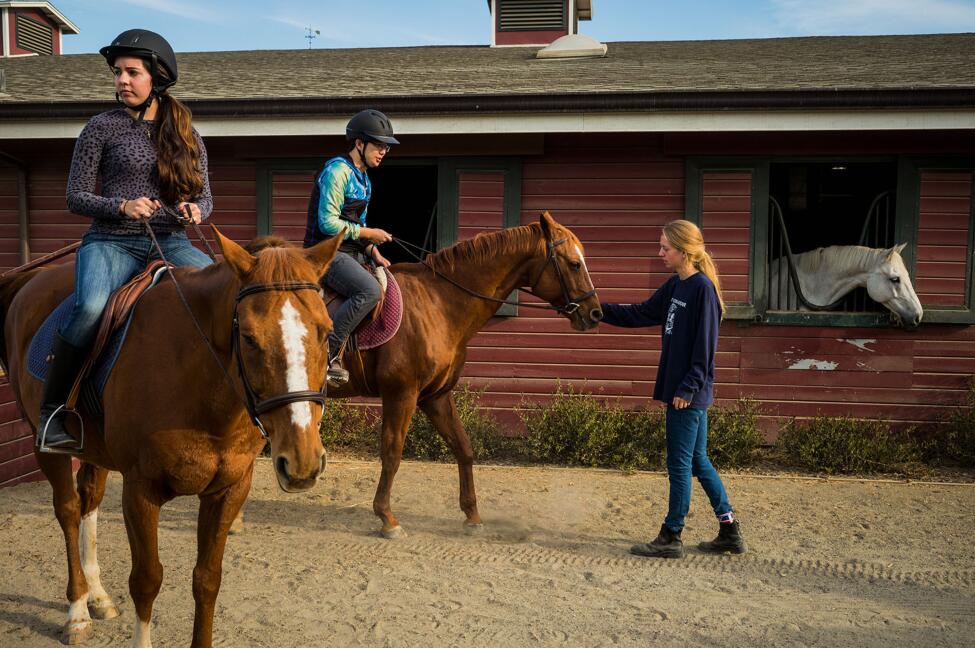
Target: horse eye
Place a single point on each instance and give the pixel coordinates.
(895, 279)
(250, 341)
(575, 265)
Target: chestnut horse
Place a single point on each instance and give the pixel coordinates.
(178, 423)
(421, 364)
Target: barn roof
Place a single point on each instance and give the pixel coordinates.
(843, 71)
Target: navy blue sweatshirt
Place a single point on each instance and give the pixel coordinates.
(690, 312)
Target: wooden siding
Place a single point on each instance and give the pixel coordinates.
(480, 203)
(943, 238)
(289, 205)
(726, 215)
(17, 462)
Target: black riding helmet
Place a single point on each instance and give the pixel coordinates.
(370, 126)
(149, 46)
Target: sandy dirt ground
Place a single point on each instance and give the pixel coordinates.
(831, 563)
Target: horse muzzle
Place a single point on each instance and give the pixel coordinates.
(290, 482)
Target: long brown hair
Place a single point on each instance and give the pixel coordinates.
(686, 237)
(177, 152)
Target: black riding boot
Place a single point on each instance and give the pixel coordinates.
(61, 373)
(729, 540)
(667, 544)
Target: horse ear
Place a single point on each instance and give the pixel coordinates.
(321, 254)
(239, 259)
(548, 225)
(900, 248)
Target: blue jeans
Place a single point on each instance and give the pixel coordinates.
(105, 262)
(687, 456)
(362, 292)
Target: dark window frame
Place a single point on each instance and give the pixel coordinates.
(907, 211)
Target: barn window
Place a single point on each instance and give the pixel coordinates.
(33, 36)
(527, 15)
(821, 204)
(749, 207)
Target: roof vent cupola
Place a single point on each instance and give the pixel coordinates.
(536, 22)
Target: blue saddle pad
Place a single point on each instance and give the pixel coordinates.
(43, 343)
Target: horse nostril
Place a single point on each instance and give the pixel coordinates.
(323, 464)
(281, 465)
(596, 315)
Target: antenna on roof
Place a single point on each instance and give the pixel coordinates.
(311, 34)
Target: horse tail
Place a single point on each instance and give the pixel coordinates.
(10, 285)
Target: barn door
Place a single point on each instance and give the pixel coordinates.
(940, 199)
(478, 195)
(722, 199)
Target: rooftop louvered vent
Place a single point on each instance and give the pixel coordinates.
(34, 36)
(524, 15)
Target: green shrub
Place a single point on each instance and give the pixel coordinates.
(349, 427)
(954, 442)
(488, 440)
(733, 435)
(576, 428)
(846, 445)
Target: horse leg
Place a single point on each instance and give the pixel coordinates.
(91, 489)
(217, 514)
(141, 510)
(442, 412)
(397, 412)
(67, 509)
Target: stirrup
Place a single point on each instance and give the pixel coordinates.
(76, 449)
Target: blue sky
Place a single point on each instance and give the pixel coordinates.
(191, 25)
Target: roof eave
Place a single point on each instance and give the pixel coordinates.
(604, 102)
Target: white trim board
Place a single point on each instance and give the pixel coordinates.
(592, 122)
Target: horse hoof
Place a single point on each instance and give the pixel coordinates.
(103, 611)
(76, 633)
(471, 528)
(394, 533)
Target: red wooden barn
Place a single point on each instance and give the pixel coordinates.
(838, 132)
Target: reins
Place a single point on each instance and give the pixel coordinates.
(571, 303)
(249, 398)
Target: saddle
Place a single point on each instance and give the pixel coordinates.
(382, 322)
(108, 340)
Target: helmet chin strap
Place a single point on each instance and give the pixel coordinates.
(142, 107)
(362, 154)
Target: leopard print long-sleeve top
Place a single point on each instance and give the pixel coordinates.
(118, 149)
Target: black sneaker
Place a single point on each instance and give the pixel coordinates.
(667, 544)
(729, 540)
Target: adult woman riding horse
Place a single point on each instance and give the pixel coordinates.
(339, 201)
(148, 155)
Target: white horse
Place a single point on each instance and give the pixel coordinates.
(826, 274)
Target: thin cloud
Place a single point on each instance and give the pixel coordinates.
(875, 16)
(177, 8)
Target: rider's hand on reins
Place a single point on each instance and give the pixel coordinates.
(140, 208)
(188, 213)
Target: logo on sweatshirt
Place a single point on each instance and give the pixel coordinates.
(672, 314)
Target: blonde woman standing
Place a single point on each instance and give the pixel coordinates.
(689, 306)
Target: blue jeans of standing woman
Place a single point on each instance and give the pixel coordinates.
(687, 457)
(347, 277)
(105, 262)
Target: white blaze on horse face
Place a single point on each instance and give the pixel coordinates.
(585, 268)
(293, 334)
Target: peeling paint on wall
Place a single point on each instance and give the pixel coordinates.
(811, 363)
(860, 343)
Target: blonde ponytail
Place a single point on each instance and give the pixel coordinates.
(686, 237)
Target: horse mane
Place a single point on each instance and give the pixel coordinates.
(277, 261)
(837, 256)
(486, 246)
(262, 242)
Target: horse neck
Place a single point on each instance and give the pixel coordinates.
(830, 282)
(495, 277)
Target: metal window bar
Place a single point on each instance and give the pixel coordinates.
(876, 232)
